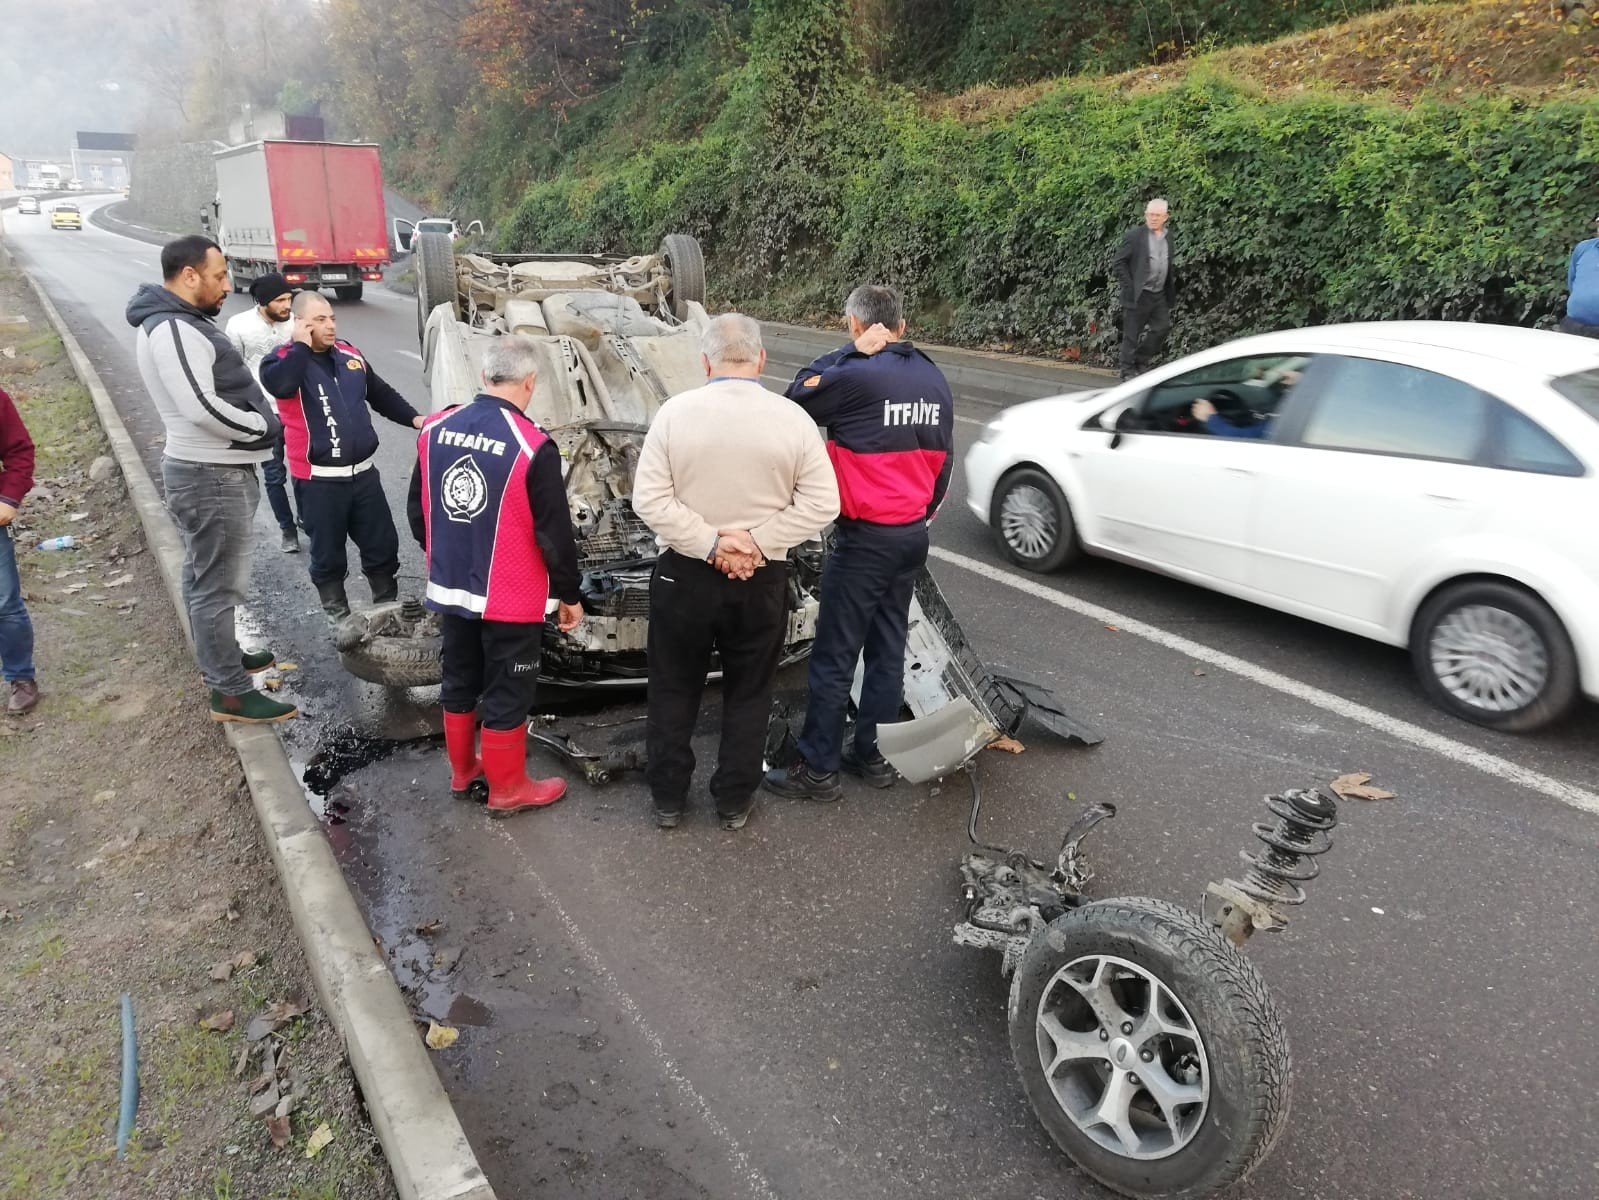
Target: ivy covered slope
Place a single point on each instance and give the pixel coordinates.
(1435, 161)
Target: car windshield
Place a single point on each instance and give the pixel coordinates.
(66, 208)
(433, 227)
(1582, 389)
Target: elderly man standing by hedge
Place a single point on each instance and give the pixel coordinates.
(1148, 288)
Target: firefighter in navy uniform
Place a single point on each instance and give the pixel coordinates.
(890, 421)
(488, 505)
(324, 387)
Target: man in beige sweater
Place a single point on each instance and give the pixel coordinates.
(731, 478)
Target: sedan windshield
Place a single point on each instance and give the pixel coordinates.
(1582, 389)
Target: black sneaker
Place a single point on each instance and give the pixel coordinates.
(289, 543)
(800, 782)
(736, 820)
(257, 660)
(668, 818)
(875, 770)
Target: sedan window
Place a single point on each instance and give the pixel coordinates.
(1235, 398)
(1390, 408)
(1582, 389)
(1524, 445)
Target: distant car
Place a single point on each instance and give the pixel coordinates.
(74, 185)
(28, 206)
(66, 216)
(405, 232)
(1427, 484)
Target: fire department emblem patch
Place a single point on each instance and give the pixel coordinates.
(464, 490)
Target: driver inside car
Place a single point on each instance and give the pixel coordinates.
(1278, 383)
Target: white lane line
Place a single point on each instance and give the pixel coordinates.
(1415, 735)
(756, 1181)
(411, 354)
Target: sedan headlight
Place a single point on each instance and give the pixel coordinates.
(993, 429)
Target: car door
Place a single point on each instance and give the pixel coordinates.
(1385, 465)
(1173, 491)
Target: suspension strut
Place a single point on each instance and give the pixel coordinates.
(1302, 832)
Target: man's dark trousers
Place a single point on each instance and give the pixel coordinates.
(491, 666)
(334, 510)
(275, 475)
(867, 587)
(695, 610)
(1145, 324)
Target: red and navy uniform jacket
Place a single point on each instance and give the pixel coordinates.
(890, 423)
(488, 505)
(322, 401)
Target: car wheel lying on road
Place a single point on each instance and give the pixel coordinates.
(396, 644)
(1494, 654)
(1032, 521)
(1149, 1048)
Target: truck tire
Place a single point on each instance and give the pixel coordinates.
(1139, 1008)
(434, 256)
(686, 262)
(349, 292)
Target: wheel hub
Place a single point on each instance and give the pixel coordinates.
(1027, 521)
(1123, 1054)
(1489, 658)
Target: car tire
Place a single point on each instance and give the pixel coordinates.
(1213, 1031)
(1032, 521)
(1530, 678)
(686, 262)
(434, 255)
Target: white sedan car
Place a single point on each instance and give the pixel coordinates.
(1430, 485)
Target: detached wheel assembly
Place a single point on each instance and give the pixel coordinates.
(435, 277)
(1149, 1048)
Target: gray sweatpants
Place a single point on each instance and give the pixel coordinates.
(214, 509)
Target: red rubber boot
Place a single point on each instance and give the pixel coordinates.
(460, 743)
(505, 764)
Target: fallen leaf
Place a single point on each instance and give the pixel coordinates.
(446, 960)
(79, 517)
(275, 1018)
(222, 971)
(319, 1140)
(278, 1127)
(1008, 744)
(283, 666)
(1197, 671)
(219, 1022)
(244, 959)
(244, 1061)
(441, 1037)
(272, 684)
(1114, 628)
(431, 927)
(1356, 785)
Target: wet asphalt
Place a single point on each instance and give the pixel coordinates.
(780, 1012)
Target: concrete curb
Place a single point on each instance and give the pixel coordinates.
(427, 1149)
(103, 218)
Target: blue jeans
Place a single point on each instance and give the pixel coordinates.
(275, 474)
(867, 587)
(213, 508)
(16, 631)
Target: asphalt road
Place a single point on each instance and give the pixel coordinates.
(781, 1013)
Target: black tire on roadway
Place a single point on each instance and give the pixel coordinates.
(686, 261)
(350, 292)
(1561, 687)
(1064, 550)
(1237, 1021)
(397, 662)
(435, 277)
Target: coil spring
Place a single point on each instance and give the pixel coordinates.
(411, 609)
(1305, 818)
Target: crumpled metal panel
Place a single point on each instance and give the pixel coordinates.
(933, 746)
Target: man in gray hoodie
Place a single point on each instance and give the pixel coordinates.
(219, 427)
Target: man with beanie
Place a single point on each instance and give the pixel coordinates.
(488, 504)
(255, 333)
(326, 392)
(218, 428)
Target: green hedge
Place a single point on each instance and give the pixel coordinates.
(1285, 213)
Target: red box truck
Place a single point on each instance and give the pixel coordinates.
(311, 210)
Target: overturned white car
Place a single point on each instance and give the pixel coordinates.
(616, 338)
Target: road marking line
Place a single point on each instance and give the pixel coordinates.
(412, 354)
(758, 1183)
(1415, 735)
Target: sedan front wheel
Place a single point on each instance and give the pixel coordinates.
(1033, 522)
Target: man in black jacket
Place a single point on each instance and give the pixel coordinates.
(1148, 286)
(324, 387)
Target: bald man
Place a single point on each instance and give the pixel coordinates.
(324, 388)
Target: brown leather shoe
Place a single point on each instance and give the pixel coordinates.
(24, 695)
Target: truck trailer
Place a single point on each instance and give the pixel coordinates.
(312, 211)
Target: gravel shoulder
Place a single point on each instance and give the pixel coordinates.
(131, 861)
